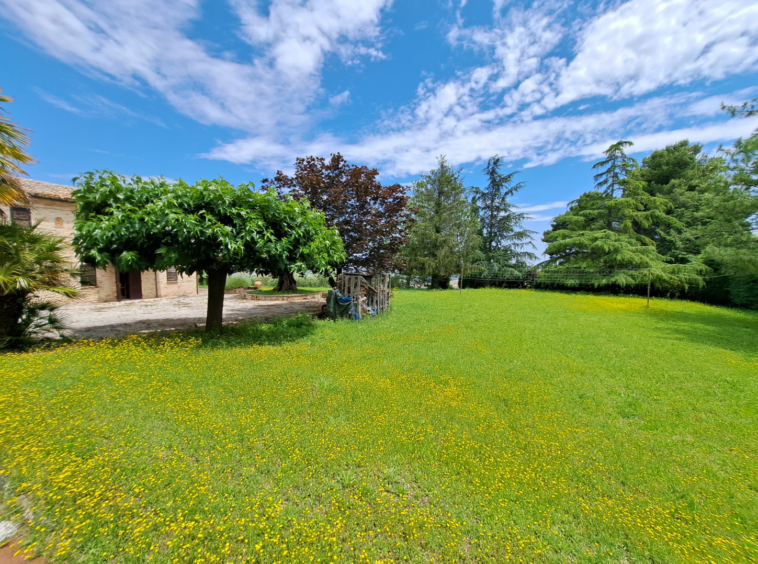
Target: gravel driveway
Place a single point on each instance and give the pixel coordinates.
(117, 319)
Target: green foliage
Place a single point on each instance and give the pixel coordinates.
(743, 163)
(31, 261)
(600, 232)
(247, 280)
(212, 226)
(239, 280)
(444, 235)
(487, 427)
(712, 217)
(13, 155)
(141, 223)
(747, 109)
(678, 211)
(312, 280)
(505, 242)
(743, 291)
(614, 168)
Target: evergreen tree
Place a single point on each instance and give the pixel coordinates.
(712, 216)
(742, 161)
(680, 214)
(505, 242)
(598, 242)
(615, 167)
(747, 109)
(444, 235)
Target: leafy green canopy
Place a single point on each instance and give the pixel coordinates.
(444, 235)
(600, 234)
(742, 161)
(150, 223)
(615, 167)
(711, 212)
(505, 242)
(212, 226)
(680, 214)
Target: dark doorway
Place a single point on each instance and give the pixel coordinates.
(129, 285)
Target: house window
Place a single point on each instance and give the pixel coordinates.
(87, 275)
(21, 216)
(59, 222)
(171, 275)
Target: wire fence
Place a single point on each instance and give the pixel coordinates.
(672, 282)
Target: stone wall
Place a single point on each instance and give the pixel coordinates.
(183, 286)
(58, 219)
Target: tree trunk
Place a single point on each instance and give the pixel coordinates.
(215, 314)
(286, 283)
(11, 309)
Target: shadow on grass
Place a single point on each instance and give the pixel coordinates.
(277, 331)
(726, 329)
(257, 331)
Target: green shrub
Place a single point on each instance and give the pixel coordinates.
(311, 280)
(247, 280)
(31, 261)
(238, 280)
(743, 291)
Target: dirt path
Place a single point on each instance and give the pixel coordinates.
(6, 556)
(118, 319)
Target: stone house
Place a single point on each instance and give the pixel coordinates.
(54, 206)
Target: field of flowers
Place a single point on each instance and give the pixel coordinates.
(474, 426)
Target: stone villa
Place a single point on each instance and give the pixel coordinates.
(54, 206)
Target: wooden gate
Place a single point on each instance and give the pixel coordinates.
(369, 291)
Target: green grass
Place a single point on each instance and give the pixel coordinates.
(270, 291)
(482, 426)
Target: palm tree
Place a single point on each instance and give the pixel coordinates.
(31, 261)
(13, 139)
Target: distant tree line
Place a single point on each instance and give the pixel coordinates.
(683, 221)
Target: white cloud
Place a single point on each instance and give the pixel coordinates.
(711, 105)
(58, 102)
(298, 34)
(540, 218)
(144, 42)
(505, 105)
(97, 106)
(536, 64)
(710, 133)
(543, 207)
(542, 141)
(645, 44)
(340, 99)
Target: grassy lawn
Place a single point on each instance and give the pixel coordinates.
(270, 291)
(482, 426)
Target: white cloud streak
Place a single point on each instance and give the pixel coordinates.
(96, 106)
(537, 65)
(543, 207)
(508, 105)
(144, 43)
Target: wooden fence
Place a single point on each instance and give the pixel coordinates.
(372, 291)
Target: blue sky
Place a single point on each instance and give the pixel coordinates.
(240, 88)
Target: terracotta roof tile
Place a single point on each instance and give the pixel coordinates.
(38, 189)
